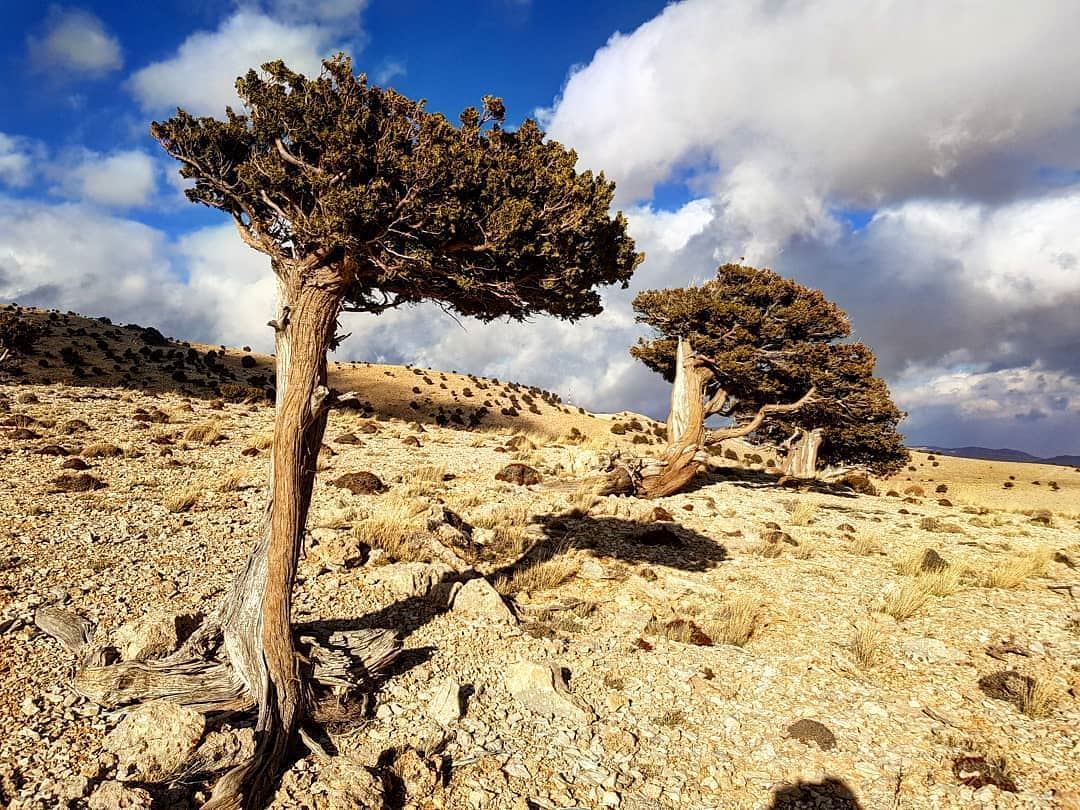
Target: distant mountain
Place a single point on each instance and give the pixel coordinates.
(1003, 454)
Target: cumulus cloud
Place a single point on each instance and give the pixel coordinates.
(201, 76)
(77, 41)
(19, 160)
(336, 11)
(123, 179)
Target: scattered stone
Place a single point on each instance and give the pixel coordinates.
(411, 441)
(348, 438)
(74, 463)
(53, 450)
(80, 482)
(154, 740)
(115, 796)
(417, 776)
(478, 599)
(860, 482)
(932, 562)
(541, 688)
(520, 474)
(977, 772)
(775, 536)
(223, 749)
(445, 706)
(659, 514)
(345, 782)
(930, 651)
(407, 579)
(360, 483)
(150, 636)
(811, 731)
(1042, 517)
(846, 527)
(1007, 684)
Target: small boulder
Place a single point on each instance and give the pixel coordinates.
(520, 474)
(150, 636)
(932, 562)
(478, 599)
(74, 463)
(930, 651)
(445, 706)
(860, 482)
(542, 688)
(660, 514)
(811, 731)
(360, 483)
(115, 796)
(154, 740)
(80, 482)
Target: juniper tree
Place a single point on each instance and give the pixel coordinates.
(766, 352)
(363, 200)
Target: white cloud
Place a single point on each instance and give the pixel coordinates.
(201, 76)
(125, 179)
(76, 40)
(793, 108)
(19, 160)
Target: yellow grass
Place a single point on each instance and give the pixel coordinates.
(232, 482)
(903, 601)
(865, 645)
(391, 524)
(803, 513)
(864, 544)
(1015, 571)
(184, 500)
(1038, 698)
(733, 623)
(264, 441)
(430, 473)
(542, 576)
(205, 433)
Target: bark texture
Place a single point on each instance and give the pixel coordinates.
(802, 458)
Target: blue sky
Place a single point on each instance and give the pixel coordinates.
(917, 161)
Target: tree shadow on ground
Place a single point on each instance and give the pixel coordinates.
(655, 544)
(829, 794)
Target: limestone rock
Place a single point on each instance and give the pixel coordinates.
(155, 739)
(541, 688)
(445, 705)
(347, 784)
(114, 796)
(478, 599)
(150, 636)
(410, 578)
(930, 651)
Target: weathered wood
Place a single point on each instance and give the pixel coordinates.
(801, 460)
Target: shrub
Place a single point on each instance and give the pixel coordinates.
(17, 333)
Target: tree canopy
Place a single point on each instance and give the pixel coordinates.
(766, 339)
(331, 170)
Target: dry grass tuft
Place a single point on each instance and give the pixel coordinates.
(865, 645)
(734, 622)
(184, 500)
(805, 550)
(264, 441)
(864, 544)
(1038, 698)
(232, 482)
(208, 432)
(391, 525)
(430, 473)
(802, 514)
(541, 576)
(903, 601)
(1015, 571)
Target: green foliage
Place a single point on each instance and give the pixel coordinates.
(333, 171)
(768, 340)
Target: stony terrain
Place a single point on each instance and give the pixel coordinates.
(743, 645)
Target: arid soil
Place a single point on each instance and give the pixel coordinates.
(742, 645)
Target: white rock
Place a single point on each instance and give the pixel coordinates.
(478, 599)
(445, 706)
(150, 636)
(155, 739)
(541, 688)
(114, 796)
(930, 651)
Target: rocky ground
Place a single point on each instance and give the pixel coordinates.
(739, 646)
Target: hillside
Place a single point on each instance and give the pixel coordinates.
(737, 646)
(1005, 454)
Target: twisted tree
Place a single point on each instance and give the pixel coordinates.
(363, 201)
(764, 352)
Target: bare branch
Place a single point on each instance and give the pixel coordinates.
(717, 436)
(289, 157)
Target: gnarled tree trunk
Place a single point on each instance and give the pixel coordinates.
(253, 625)
(801, 460)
